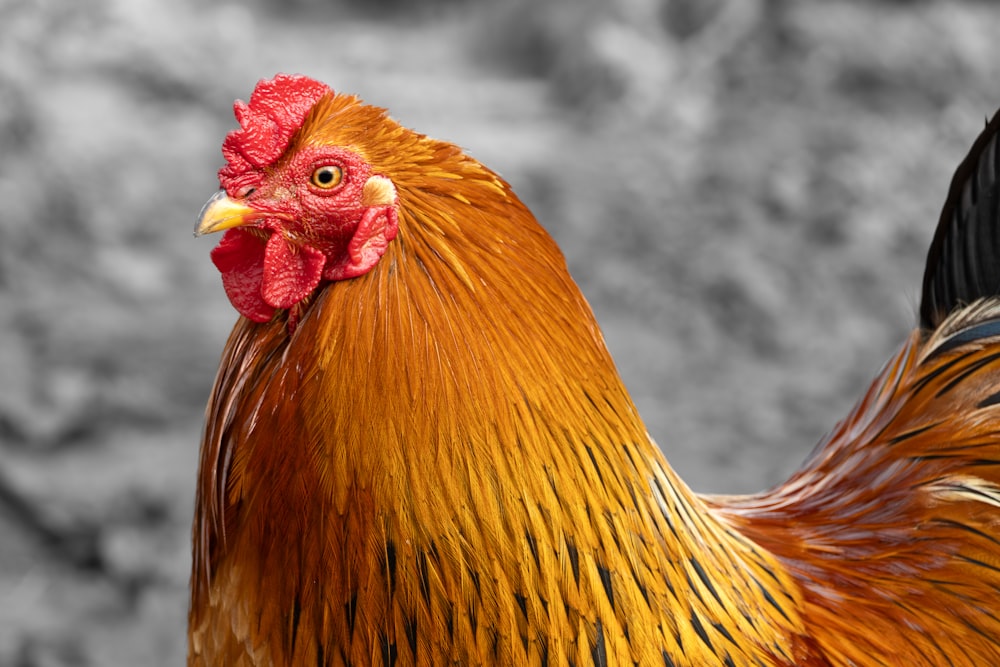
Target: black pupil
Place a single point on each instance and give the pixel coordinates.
(325, 176)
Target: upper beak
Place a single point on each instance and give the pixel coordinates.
(220, 212)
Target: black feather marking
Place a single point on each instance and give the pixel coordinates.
(778, 651)
(543, 651)
(700, 630)
(925, 380)
(966, 372)
(692, 588)
(410, 628)
(978, 630)
(643, 590)
(599, 652)
(957, 525)
(667, 662)
(989, 401)
(770, 573)
(574, 560)
(770, 599)
(679, 639)
(963, 262)
(522, 604)
(986, 329)
(390, 565)
(550, 475)
(449, 622)
(722, 631)
(912, 433)
(635, 499)
(533, 547)
(728, 661)
(940, 651)
(704, 578)
(980, 563)
(320, 662)
(609, 519)
(351, 610)
(953, 660)
(424, 576)
(475, 582)
(593, 460)
(666, 515)
(627, 448)
(388, 651)
(973, 463)
(605, 575)
(294, 621)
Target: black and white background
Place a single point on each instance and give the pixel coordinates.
(744, 189)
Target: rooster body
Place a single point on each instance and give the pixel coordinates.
(418, 449)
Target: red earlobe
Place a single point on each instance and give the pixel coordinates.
(378, 226)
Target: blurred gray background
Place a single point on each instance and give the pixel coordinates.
(744, 190)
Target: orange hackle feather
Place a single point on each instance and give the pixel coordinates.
(439, 464)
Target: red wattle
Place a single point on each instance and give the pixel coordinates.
(240, 259)
(261, 276)
(291, 272)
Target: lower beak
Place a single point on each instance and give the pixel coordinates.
(220, 212)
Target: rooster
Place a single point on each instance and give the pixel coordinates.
(418, 450)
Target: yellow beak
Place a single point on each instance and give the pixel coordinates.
(220, 212)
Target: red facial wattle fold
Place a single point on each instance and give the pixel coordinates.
(377, 227)
(263, 275)
(263, 272)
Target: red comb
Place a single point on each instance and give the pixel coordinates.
(276, 111)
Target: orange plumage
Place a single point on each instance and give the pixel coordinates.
(418, 449)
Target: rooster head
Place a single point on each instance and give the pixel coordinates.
(299, 208)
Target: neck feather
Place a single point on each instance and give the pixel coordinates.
(460, 413)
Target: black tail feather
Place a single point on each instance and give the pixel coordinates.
(963, 263)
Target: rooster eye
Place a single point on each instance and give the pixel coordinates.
(327, 177)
